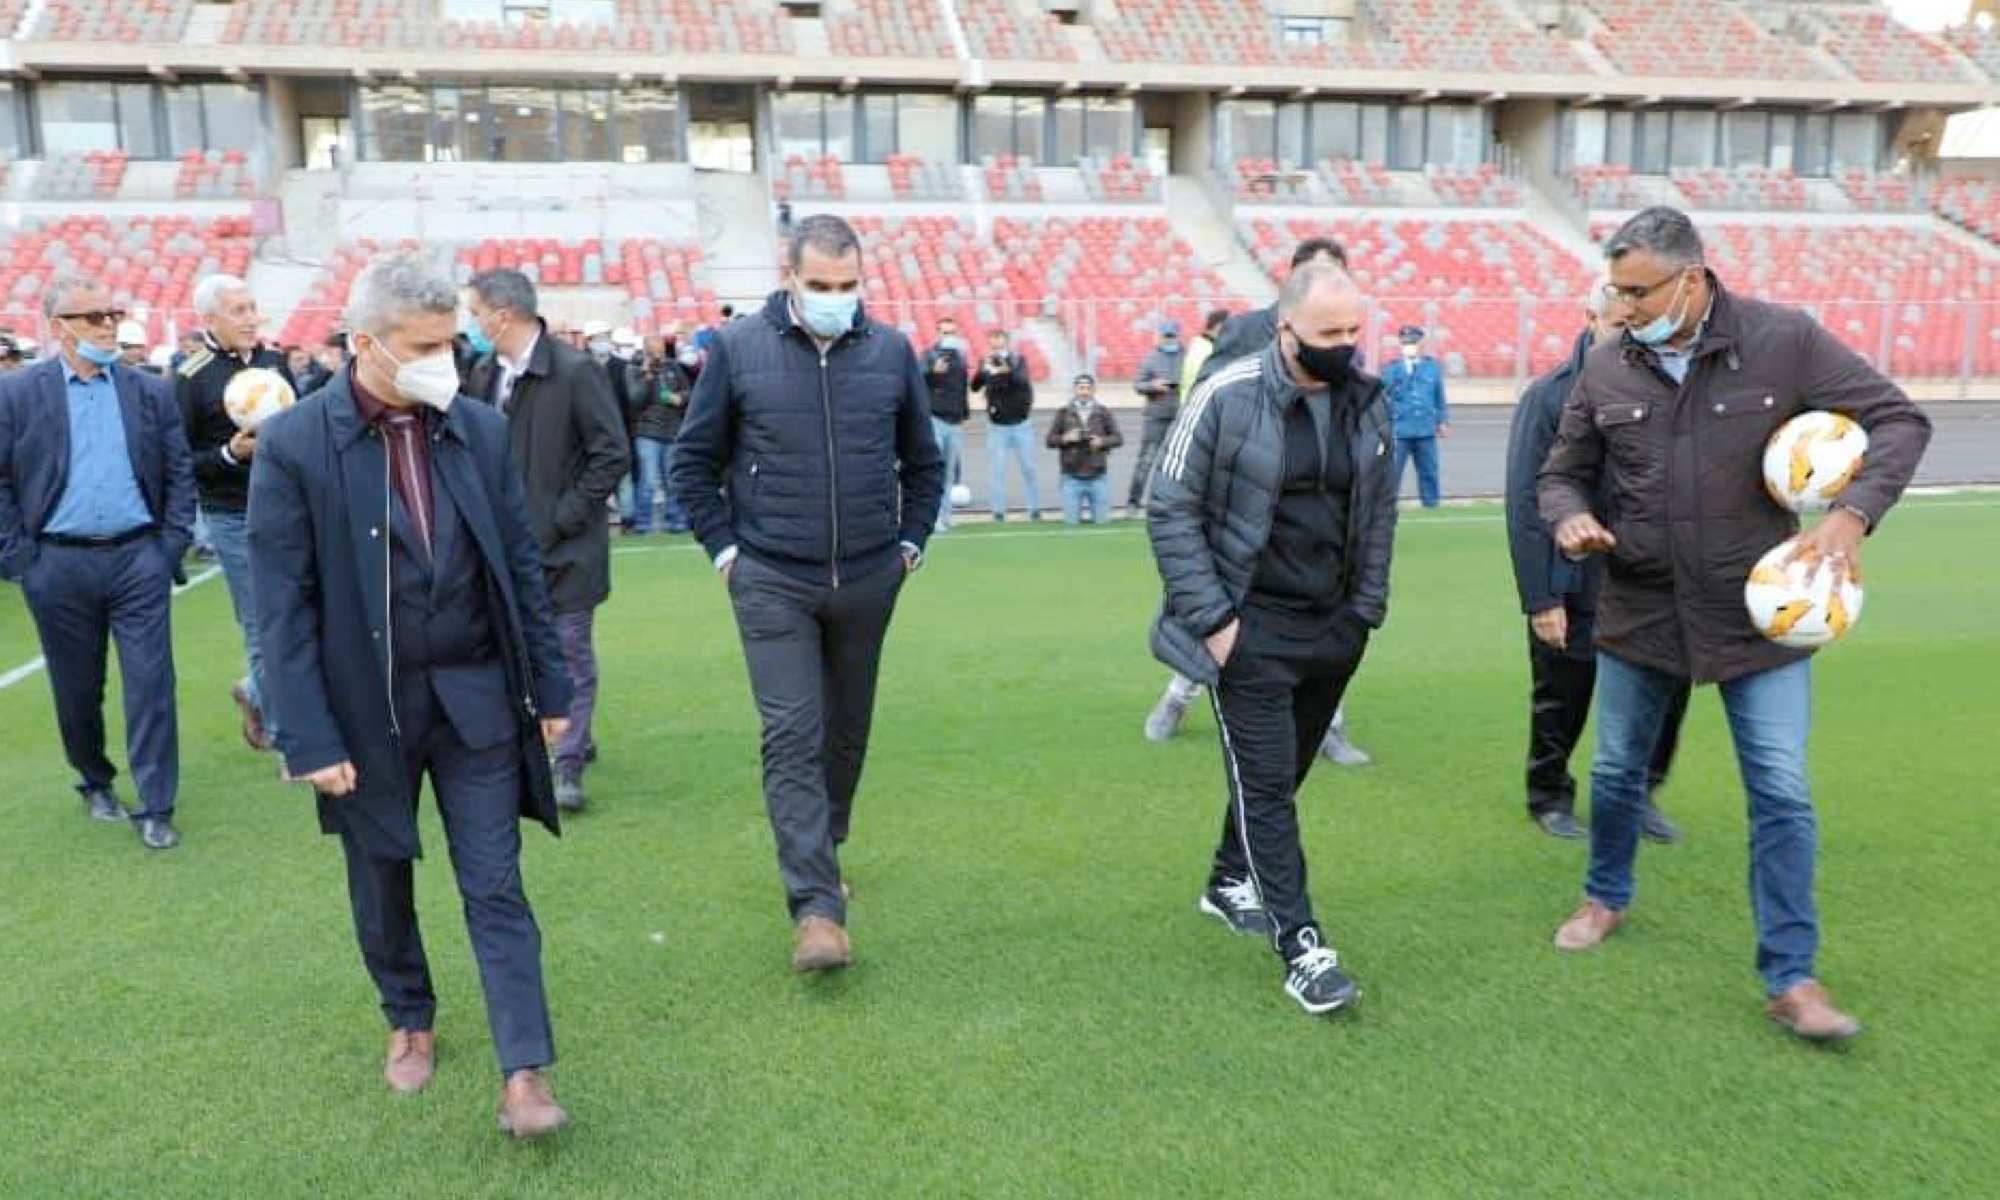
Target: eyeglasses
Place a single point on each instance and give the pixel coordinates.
(100, 316)
(1632, 295)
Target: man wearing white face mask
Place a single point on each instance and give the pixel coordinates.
(814, 421)
(407, 633)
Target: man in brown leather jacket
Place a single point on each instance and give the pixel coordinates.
(1673, 417)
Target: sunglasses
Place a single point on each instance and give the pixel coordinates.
(100, 316)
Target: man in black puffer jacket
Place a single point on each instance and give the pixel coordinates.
(809, 470)
(1272, 518)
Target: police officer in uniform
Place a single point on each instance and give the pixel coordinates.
(222, 455)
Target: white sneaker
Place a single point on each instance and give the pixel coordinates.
(1335, 748)
(1165, 719)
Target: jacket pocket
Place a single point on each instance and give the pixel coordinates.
(1620, 413)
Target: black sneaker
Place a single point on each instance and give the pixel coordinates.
(1559, 824)
(103, 806)
(1655, 827)
(1313, 977)
(569, 791)
(158, 833)
(1235, 903)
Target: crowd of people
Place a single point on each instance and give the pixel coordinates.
(416, 551)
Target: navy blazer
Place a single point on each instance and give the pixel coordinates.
(319, 566)
(34, 457)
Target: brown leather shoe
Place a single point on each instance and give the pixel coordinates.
(1588, 926)
(255, 735)
(528, 1109)
(1806, 1010)
(411, 1060)
(820, 944)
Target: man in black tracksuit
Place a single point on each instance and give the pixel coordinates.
(808, 467)
(1559, 596)
(1272, 519)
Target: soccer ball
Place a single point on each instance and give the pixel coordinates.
(960, 495)
(1799, 606)
(256, 395)
(1810, 458)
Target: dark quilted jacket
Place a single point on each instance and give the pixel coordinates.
(818, 464)
(1215, 490)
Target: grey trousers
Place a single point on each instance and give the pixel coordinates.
(813, 652)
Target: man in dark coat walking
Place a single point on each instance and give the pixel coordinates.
(569, 442)
(811, 474)
(1671, 421)
(407, 628)
(1559, 597)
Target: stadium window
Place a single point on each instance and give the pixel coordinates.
(1652, 141)
(1303, 31)
(1815, 143)
(927, 126)
(521, 123)
(1336, 130)
(878, 128)
(1003, 125)
(1619, 131)
(1456, 135)
(232, 116)
(77, 117)
(1375, 133)
(1693, 141)
(1111, 127)
(457, 126)
(184, 133)
(586, 125)
(1587, 143)
(1292, 133)
(1406, 148)
(12, 133)
(800, 121)
(1065, 132)
(395, 124)
(1746, 139)
(649, 124)
(1784, 132)
(137, 134)
(1250, 128)
(1856, 142)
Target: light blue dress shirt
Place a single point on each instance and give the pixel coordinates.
(100, 497)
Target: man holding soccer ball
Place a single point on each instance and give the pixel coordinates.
(1673, 418)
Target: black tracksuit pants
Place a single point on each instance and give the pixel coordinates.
(1563, 681)
(1273, 703)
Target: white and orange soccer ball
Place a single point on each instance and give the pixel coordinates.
(1798, 605)
(1811, 458)
(255, 395)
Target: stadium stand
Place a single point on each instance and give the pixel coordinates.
(1744, 188)
(887, 29)
(1606, 185)
(1972, 203)
(920, 270)
(124, 21)
(1465, 35)
(1870, 192)
(1010, 178)
(643, 26)
(1482, 186)
(1008, 29)
(1209, 31)
(149, 263)
(1874, 46)
(913, 178)
(1463, 280)
(1118, 276)
(1120, 179)
(96, 175)
(1980, 44)
(1697, 38)
(1357, 184)
(213, 175)
(811, 179)
(1268, 181)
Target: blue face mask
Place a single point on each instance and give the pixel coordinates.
(828, 314)
(1656, 331)
(97, 354)
(477, 339)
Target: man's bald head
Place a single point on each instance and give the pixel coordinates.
(1322, 306)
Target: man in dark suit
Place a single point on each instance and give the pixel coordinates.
(569, 443)
(231, 342)
(96, 510)
(407, 632)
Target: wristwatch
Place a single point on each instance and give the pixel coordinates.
(1866, 524)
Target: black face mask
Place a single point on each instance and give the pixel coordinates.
(1329, 364)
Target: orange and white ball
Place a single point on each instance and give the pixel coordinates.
(1798, 605)
(255, 395)
(1811, 458)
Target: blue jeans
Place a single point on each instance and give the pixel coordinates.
(1425, 451)
(229, 533)
(655, 458)
(1076, 492)
(1770, 715)
(1019, 441)
(950, 444)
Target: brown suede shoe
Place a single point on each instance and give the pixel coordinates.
(820, 944)
(255, 735)
(528, 1109)
(1806, 1010)
(411, 1060)
(1588, 926)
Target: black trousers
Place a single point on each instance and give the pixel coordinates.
(1276, 697)
(814, 652)
(1563, 681)
(1153, 435)
(82, 598)
(479, 797)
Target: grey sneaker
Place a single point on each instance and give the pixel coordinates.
(158, 833)
(1655, 827)
(103, 806)
(1559, 824)
(569, 791)
(1165, 719)
(1335, 748)
(1235, 903)
(1313, 977)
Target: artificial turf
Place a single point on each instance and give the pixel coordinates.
(1036, 1008)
